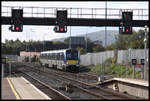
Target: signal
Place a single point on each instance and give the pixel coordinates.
(61, 21)
(62, 17)
(60, 29)
(126, 27)
(17, 20)
(127, 30)
(17, 28)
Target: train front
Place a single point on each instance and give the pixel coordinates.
(72, 60)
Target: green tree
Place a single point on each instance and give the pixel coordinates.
(138, 44)
(57, 42)
(82, 50)
(109, 47)
(98, 48)
(134, 41)
(66, 41)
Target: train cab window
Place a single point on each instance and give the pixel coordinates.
(72, 55)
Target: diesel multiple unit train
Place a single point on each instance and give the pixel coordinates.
(66, 59)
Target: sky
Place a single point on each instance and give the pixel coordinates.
(47, 33)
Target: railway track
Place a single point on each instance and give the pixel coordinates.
(85, 87)
(83, 77)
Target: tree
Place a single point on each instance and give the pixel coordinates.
(82, 51)
(134, 41)
(109, 47)
(66, 41)
(98, 48)
(138, 44)
(57, 42)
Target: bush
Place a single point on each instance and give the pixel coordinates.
(115, 69)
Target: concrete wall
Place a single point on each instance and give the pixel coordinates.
(131, 88)
(123, 57)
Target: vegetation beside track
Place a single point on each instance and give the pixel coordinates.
(111, 68)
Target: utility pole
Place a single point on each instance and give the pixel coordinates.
(145, 46)
(70, 38)
(86, 42)
(43, 45)
(105, 26)
(70, 32)
(105, 30)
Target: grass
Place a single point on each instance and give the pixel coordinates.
(118, 70)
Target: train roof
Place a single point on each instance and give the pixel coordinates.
(54, 51)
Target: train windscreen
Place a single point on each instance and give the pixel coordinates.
(72, 54)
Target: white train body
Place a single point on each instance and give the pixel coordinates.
(66, 59)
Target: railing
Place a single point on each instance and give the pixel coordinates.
(91, 13)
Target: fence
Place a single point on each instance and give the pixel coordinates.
(123, 56)
(14, 58)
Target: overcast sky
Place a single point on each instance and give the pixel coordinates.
(47, 33)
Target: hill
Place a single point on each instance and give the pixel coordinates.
(99, 35)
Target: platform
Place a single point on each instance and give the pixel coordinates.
(133, 81)
(6, 91)
(20, 88)
(134, 87)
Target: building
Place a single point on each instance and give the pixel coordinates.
(28, 54)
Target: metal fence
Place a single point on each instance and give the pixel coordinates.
(14, 58)
(123, 56)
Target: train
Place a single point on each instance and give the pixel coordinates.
(65, 59)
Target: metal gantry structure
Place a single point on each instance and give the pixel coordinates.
(46, 16)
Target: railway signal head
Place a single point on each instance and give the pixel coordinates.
(16, 28)
(61, 21)
(61, 17)
(126, 23)
(17, 20)
(60, 29)
(127, 30)
(142, 61)
(134, 61)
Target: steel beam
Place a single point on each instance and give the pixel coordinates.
(75, 22)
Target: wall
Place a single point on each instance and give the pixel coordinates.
(123, 56)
